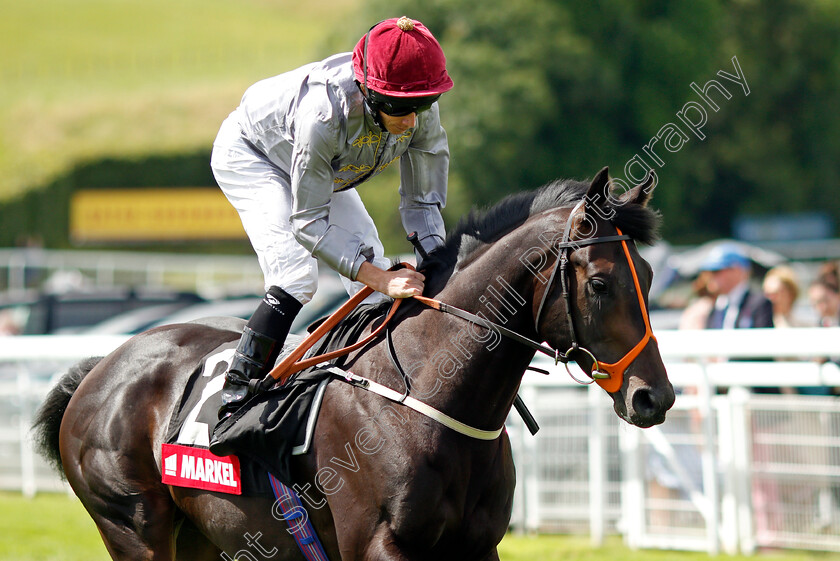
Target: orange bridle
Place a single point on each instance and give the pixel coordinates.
(615, 371)
(610, 376)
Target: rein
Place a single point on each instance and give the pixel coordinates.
(610, 376)
(478, 320)
(292, 362)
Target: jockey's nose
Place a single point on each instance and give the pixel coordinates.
(410, 120)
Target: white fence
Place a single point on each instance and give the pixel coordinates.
(206, 274)
(730, 470)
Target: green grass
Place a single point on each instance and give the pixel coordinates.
(85, 79)
(578, 548)
(56, 527)
(51, 527)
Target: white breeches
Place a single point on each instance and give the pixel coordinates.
(263, 198)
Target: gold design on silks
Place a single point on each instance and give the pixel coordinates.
(367, 140)
(355, 168)
(404, 136)
(386, 164)
(358, 170)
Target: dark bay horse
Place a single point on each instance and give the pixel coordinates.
(383, 482)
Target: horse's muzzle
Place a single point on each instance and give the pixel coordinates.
(647, 407)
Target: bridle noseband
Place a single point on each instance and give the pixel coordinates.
(610, 376)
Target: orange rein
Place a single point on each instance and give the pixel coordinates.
(292, 364)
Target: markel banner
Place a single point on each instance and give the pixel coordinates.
(197, 468)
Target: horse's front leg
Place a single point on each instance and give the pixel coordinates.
(383, 547)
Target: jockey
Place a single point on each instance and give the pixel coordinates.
(289, 157)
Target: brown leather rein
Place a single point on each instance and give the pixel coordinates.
(293, 363)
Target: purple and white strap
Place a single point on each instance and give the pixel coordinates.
(296, 518)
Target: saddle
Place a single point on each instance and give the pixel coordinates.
(271, 426)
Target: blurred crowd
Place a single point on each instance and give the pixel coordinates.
(726, 296)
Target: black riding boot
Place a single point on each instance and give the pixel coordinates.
(258, 347)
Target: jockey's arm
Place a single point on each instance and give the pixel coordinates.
(341, 249)
(424, 170)
(312, 188)
(423, 182)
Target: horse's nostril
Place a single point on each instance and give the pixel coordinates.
(643, 402)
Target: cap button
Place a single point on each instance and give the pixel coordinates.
(405, 24)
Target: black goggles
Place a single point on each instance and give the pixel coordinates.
(399, 106)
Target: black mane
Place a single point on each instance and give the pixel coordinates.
(481, 227)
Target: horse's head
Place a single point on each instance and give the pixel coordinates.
(603, 317)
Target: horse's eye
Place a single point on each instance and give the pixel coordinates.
(599, 286)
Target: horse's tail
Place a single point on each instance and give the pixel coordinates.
(48, 418)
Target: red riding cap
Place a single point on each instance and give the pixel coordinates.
(403, 60)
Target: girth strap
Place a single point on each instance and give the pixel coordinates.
(415, 404)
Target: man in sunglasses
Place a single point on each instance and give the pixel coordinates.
(289, 157)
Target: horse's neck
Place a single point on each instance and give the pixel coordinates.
(470, 371)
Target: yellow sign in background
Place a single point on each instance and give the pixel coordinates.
(154, 214)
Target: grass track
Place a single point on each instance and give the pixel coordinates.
(51, 527)
(55, 527)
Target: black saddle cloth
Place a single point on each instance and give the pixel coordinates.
(266, 428)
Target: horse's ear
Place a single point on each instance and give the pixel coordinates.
(599, 189)
(640, 194)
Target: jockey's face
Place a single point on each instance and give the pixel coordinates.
(398, 125)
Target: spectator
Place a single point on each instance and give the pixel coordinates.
(736, 305)
(8, 325)
(824, 294)
(697, 312)
(781, 287)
